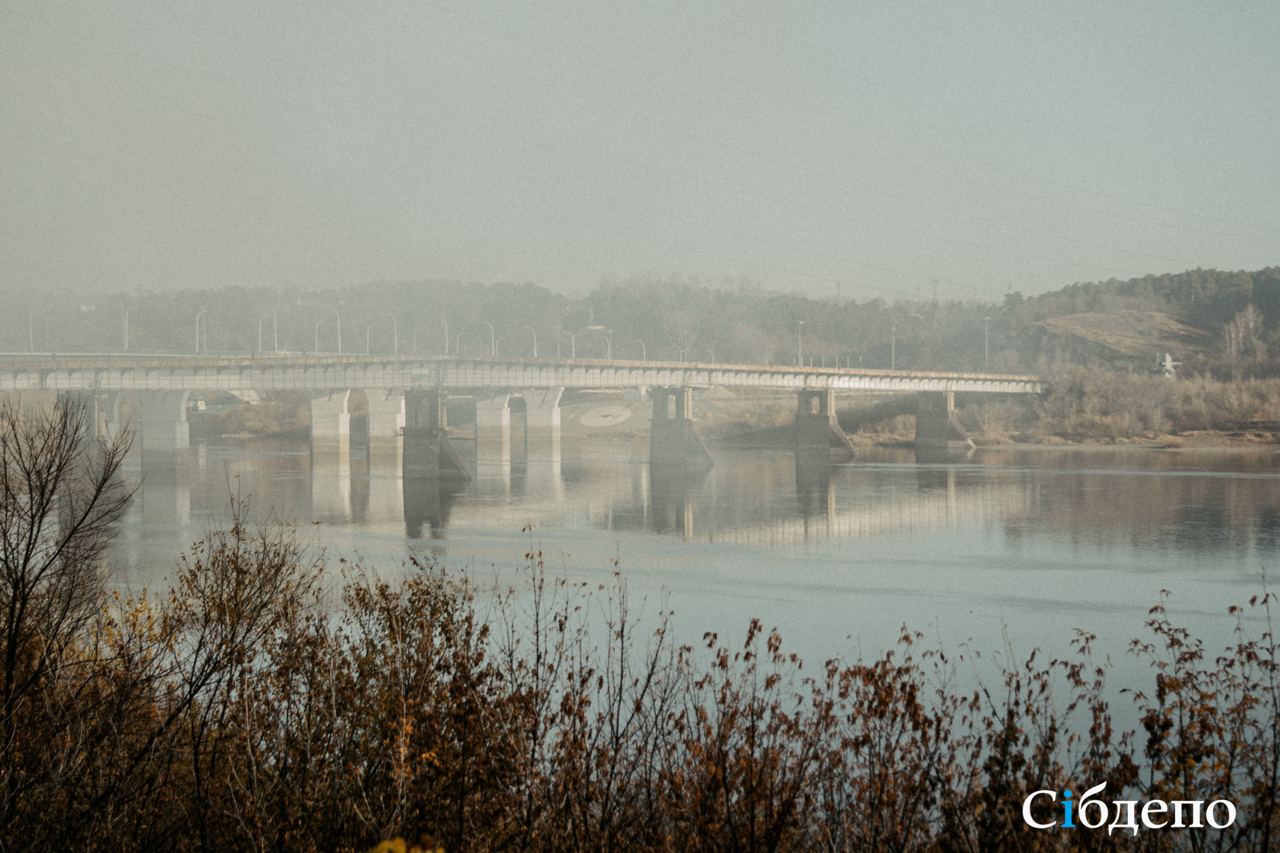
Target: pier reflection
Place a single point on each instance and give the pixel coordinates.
(767, 499)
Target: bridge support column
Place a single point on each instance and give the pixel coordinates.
(937, 426)
(428, 455)
(331, 425)
(102, 411)
(386, 423)
(493, 429)
(163, 429)
(672, 440)
(163, 416)
(542, 424)
(816, 426)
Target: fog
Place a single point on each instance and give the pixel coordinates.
(954, 150)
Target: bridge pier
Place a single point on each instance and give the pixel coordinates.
(386, 423)
(937, 426)
(542, 423)
(428, 455)
(672, 439)
(102, 411)
(493, 429)
(816, 426)
(331, 425)
(163, 428)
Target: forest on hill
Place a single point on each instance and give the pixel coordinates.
(1215, 323)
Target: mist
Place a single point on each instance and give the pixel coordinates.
(924, 151)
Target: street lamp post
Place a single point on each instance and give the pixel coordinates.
(893, 344)
(446, 335)
(573, 343)
(395, 334)
(493, 341)
(200, 314)
(986, 342)
(368, 331)
(275, 331)
(608, 346)
(126, 326)
(457, 343)
(644, 352)
(337, 317)
(800, 343)
(534, 332)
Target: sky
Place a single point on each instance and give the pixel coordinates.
(914, 149)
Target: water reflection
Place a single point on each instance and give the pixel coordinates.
(1191, 504)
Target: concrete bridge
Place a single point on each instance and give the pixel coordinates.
(406, 397)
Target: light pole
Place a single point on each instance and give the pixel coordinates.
(800, 343)
(320, 322)
(573, 343)
(986, 342)
(644, 352)
(534, 332)
(608, 346)
(457, 344)
(395, 334)
(338, 317)
(497, 344)
(126, 326)
(368, 330)
(275, 331)
(200, 314)
(493, 341)
(446, 335)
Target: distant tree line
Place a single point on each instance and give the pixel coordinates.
(1234, 318)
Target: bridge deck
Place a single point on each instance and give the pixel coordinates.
(19, 372)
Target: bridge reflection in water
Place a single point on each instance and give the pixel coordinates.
(774, 498)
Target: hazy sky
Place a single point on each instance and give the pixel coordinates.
(896, 148)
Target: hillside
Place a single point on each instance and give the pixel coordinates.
(1118, 325)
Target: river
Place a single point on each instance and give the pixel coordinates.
(1010, 549)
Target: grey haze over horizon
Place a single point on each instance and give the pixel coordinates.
(896, 150)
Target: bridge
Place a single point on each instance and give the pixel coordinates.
(407, 397)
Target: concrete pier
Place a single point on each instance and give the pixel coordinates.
(427, 452)
(331, 425)
(672, 439)
(386, 424)
(542, 423)
(816, 426)
(162, 428)
(937, 426)
(493, 429)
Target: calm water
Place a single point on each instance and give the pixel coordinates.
(1007, 549)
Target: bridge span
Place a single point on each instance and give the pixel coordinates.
(407, 396)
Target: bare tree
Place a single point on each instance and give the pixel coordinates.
(60, 496)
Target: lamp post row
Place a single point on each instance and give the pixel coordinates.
(200, 337)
